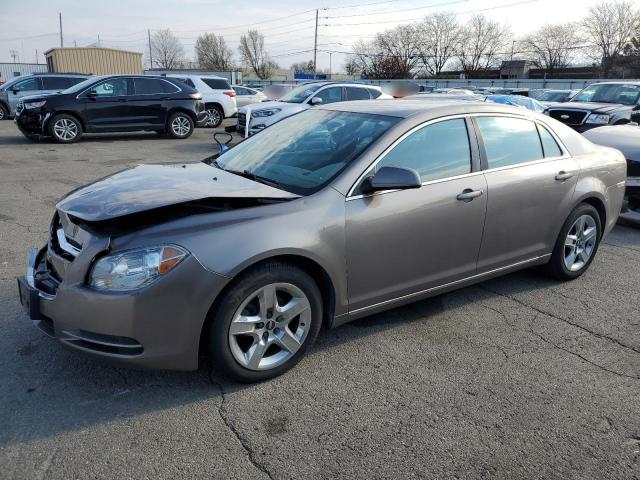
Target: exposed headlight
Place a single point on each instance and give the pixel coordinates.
(195, 96)
(32, 105)
(135, 268)
(267, 112)
(598, 118)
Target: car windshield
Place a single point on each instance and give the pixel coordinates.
(609, 93)
(78, 87)
(304, 152)
(299, 94)
(553, 96)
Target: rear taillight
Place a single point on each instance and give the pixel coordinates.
(230, 93)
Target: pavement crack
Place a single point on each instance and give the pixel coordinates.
(584, 359)
(251, 456)
(568, 322)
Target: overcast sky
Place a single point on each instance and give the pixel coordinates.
(30, 25)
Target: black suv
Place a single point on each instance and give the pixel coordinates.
(117, 103)
(607, 103)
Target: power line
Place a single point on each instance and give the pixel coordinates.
(455, 13)
(398, 11)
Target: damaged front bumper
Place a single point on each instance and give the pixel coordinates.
(32, 124)
(158, 326)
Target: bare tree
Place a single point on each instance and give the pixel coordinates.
(352, 66)
(303, 67)
(610, 26)
(213, 53)
(391, 54)
(166, 49)
(481, 41)
(439, 38)
(553, 46)
(255, 56)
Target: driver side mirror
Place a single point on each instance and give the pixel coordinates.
(392, 178)
(15, 90)
(316, 101)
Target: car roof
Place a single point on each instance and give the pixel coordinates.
(409, 108)
(617, 82)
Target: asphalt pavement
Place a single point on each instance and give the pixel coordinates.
(518, 377)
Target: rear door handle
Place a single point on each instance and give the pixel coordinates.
(562, 176)
(467, 194)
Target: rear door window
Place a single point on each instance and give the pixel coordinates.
(355, 93)
(509, 141)
(151, 86)
(217, 83)
(374, 93)
(58, 83)
(437, 151)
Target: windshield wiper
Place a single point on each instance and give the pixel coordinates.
(257, 178)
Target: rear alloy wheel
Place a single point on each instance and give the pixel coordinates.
(180, 125)
(65, 129)
(214, 117)
(577, 243)
(265, 322)
(4, 112)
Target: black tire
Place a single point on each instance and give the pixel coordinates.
(4, 112)
(186, 122)
(64, 120)
(556, 266)
(219, 344)
(215, 118)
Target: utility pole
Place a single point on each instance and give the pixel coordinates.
(36, 56)
(315, 49)
(150, 54)
(330, 55)
(60, 20)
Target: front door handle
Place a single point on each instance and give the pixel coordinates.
(467, 194)
(562, 176)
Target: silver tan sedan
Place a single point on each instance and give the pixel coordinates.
(334, 214)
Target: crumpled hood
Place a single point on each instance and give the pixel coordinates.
(591, 106)
(287, 108)
(147, 187)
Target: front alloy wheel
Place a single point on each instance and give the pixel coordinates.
(65, 129)
(270, 326)
(264, 322)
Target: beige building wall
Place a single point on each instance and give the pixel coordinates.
(97, 61)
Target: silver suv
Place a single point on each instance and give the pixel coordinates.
(34, 84)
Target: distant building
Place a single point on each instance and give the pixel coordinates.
(515, 69)
(10, 70)
(96, 61)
